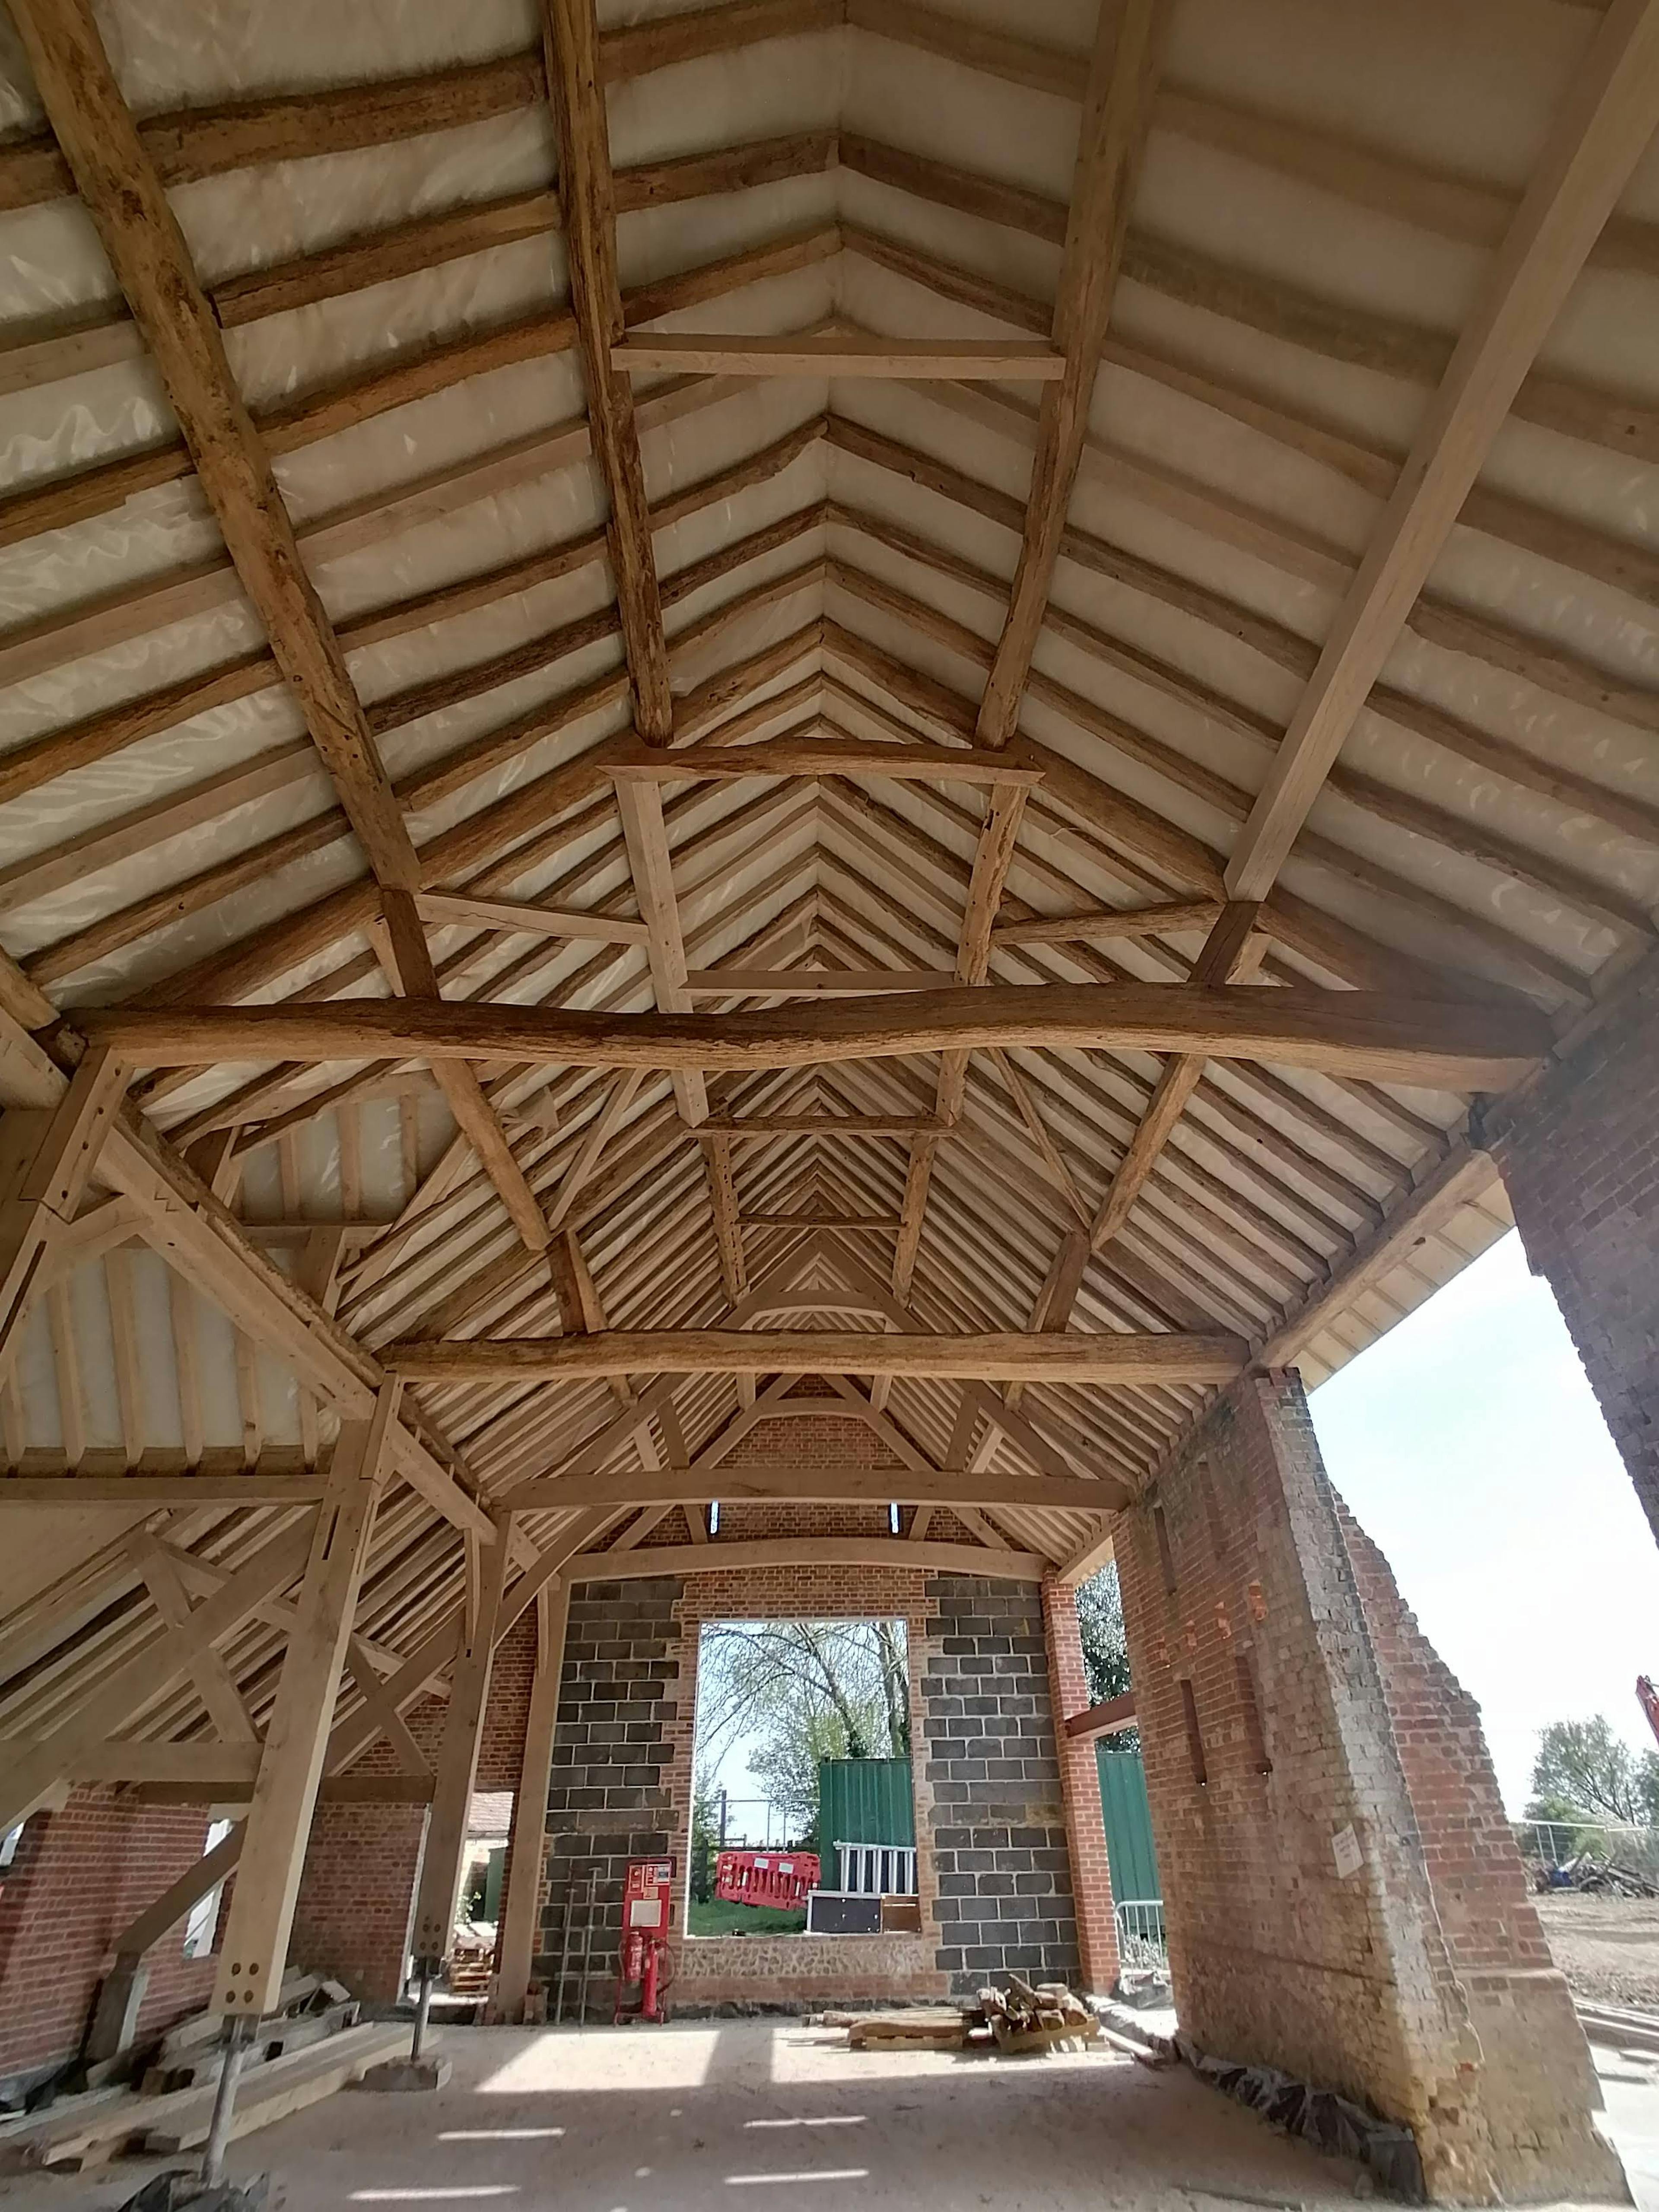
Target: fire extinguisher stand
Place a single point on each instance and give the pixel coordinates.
(645, 1963)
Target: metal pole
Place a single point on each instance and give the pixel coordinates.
(723, 1809)
(238, 2033)
(564, 1947)
(587, 1942)
(423, 2007)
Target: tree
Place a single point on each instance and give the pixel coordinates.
(1100, 1625)
(801, 1691)
(1583, 1769)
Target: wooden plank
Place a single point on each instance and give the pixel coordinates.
(820, 1221)
(1463, 1046)
(275, 2091)
(1419, 1211)
(524, 918)
(691, 33)
(599, 1134)
(214, 1681)
(1603, 129)
(576, 78)
(847, 354)
(175, 1901)
(1105, 1718)
(1104, 1359)
(1117, 113)
(651, 864)
(128, 203)
(760, 1128)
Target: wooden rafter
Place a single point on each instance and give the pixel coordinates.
(1602, 132)
(1116, 112)
(576, 82)
(118, 180)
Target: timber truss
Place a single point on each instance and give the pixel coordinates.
(842, 772)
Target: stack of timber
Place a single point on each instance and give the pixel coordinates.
(471, 1964)
(1020, 2018)
(190, 2056)
(946, 2029)
(86, 2131)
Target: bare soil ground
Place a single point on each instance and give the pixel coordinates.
(1606, 1946)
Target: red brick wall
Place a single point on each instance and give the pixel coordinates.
(1486, 1912)
(357, 1894)
(1275, 1722)
(351, 1918)
(1080, 1782)
(79, 1877)
(1580, 1160)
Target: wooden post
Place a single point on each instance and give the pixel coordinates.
(457, 1760)
(524, 1883)
(255, 1947)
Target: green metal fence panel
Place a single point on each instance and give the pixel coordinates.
(1128, 1818)
(865, 1801)
(494, 1877)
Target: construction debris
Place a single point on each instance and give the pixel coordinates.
(1016, 2019)
(1597, 1876)
(1022, 2018)
(298, 2057)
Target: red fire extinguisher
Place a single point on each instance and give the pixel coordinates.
(646, 1962)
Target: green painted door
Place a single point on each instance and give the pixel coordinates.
(1128, 1821)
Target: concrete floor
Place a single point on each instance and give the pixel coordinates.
(748, 2113)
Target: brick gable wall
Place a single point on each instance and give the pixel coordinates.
(1580, 1159)
(1305, 1930)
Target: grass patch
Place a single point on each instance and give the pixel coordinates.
(717, 1917)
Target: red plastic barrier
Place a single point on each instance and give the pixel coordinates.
(775, 1878)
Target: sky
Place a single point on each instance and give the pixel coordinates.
(1468, 1443)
